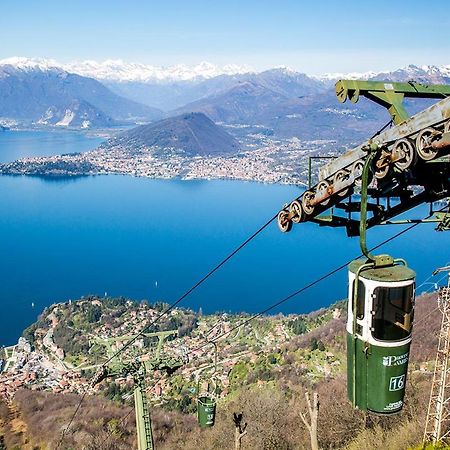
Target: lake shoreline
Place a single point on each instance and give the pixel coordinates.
(153, 238)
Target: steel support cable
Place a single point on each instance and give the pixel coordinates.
(433, 285)
(255, 316)
(71, 420)
(191, 289)
(167, 310)
(382, 129)
(299, 291)
(427, 292)
(426, 316)
(310, 285)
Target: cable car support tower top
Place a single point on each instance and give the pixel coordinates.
(409, 163)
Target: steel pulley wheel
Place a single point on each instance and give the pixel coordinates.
(341, 92)
(296, 210)
(405, 149)
(308, 196)
(447, 126)
(423, 143)
(321, 187)
(341, 176)
(381, 168)
(353, 95)
(284, 223)
(357, 170)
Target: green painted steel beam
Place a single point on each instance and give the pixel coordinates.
(143, 419)
(389, 94)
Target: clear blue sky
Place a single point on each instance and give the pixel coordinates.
(311, 36)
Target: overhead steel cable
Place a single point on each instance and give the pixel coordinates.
(167, 310)
(310, 285)
(191, 289)
(63, 435)
(255, 316)
(299, 291)
(426, 316)
(434, 285)
(382, 129)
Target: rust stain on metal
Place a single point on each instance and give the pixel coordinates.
(442, 144)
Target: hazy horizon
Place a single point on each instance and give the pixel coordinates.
(336, 37)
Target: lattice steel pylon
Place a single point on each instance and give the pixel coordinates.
(437, 427)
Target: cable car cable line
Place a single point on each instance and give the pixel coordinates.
(71, 419)
(429, 278)
(299, 291)
(191, 289)
(170, 307)
(310, 285)
(253, 317)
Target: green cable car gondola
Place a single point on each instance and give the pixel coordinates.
(380, 316)
(379, 324)
(207, 398)
(206, 406)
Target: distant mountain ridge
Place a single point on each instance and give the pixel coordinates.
(192, 133)
(246, 102)
(285, 102)
(122, 71)
(47, 95)
(171, 95)
(118, 70)
(309, 117)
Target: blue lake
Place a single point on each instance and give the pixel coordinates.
(153, 239)
(19, 144)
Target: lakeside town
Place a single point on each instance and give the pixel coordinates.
(263, 159)
(68, 344)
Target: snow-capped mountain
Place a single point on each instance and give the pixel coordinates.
(333, 77)
(40, 92)
(28, 64)
(422, 74)
(427, 74)
(92, 93)
(118, 70)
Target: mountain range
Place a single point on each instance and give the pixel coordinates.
(52, 96)
(121, 71)
(284, 102)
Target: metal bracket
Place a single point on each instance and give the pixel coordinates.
(389, 94)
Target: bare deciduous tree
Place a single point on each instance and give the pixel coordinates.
(240, 430)
(313, 410)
